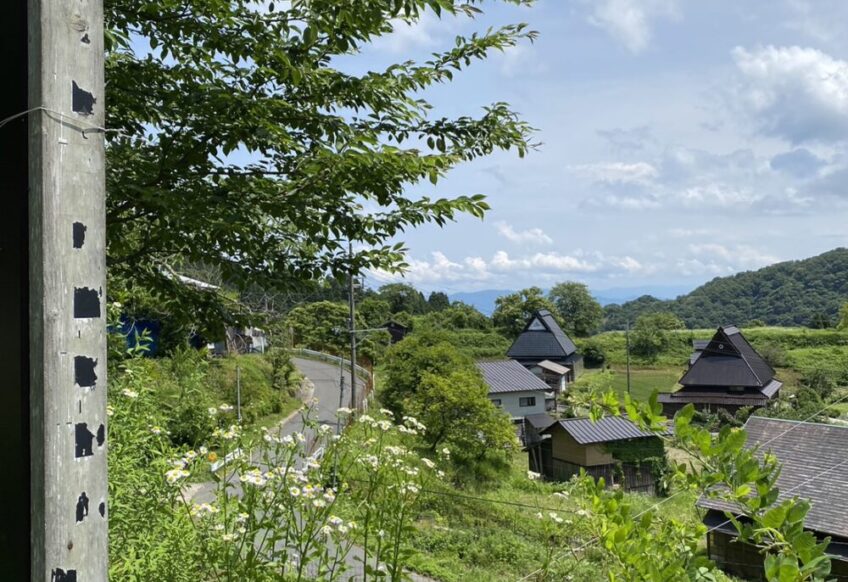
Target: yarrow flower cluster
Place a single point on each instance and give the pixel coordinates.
(226, 408)
(230, 434)
(175, 475)
(201, 509)
(254, 477)
(129, 393)
(533, 476)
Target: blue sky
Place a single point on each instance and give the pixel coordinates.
(682, 140)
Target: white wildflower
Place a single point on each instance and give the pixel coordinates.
(175, 475)
(555, 517)
(533, 476)
(294, 491)
(428, 463)
(254, 477)
(226, 408)
(212, 411)
(157, 430)
(129, 393)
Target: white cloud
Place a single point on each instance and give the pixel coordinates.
(425, 33)
(530, 236)
(502, 268)
(520, 59)
(799, 94)
(720, 195)
(734, 257)
(630, 21)
(617, 172)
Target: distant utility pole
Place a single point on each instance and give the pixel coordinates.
(627, 338)
(352, 326)
(67, 290)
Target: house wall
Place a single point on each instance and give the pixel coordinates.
(745, 561)
(510, 402)
(564, 447)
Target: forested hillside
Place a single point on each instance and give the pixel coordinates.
(808, 292)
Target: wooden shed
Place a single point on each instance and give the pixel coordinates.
(814, 467)
(613, 448)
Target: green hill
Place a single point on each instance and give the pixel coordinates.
(808, 292)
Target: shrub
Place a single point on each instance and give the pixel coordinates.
(593, 354)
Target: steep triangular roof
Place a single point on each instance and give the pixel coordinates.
(542, 338)
(729, 360)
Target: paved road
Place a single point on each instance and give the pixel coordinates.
(325, 378)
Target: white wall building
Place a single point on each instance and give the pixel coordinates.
(514, 388)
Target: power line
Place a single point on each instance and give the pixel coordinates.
(795, 425)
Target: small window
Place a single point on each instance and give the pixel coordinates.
(527, 401)
(496, 401)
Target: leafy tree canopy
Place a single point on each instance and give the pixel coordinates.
(237, 142)
(323, 326)
(650, 334)
(578, 310)
(809, 292)
(403, 297)
(458, 316)
(438, 301)
(513, 311)
(843, 317)
(408, 361)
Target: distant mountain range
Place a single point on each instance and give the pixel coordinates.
(484, 300)
(808, 292)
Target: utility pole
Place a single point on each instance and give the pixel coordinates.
(67, 290)
(352, 327)
(627, 337)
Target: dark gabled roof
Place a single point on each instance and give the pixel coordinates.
(607, 429)
(540, 421)
(700, 345)
(545, 341)
(509, 376)
(728, 360)
(814, 467)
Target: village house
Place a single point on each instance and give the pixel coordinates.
(724, 373)
(543, 340)
(613, 448)
(813, 467)
(515, 389)
(397, 331)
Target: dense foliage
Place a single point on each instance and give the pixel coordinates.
(580, 313)
(513, 311)
(426, 376)
(808, 292)
(238, 144)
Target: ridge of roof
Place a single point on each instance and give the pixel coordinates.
(754, 370)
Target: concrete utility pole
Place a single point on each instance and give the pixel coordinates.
(627, 339)
(67, 280)
(352, 327)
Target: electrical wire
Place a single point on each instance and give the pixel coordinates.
(90, 127)
(795, 425)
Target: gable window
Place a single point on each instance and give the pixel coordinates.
(527, 401)
(496, 401)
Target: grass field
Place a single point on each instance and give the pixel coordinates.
(643, 381)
